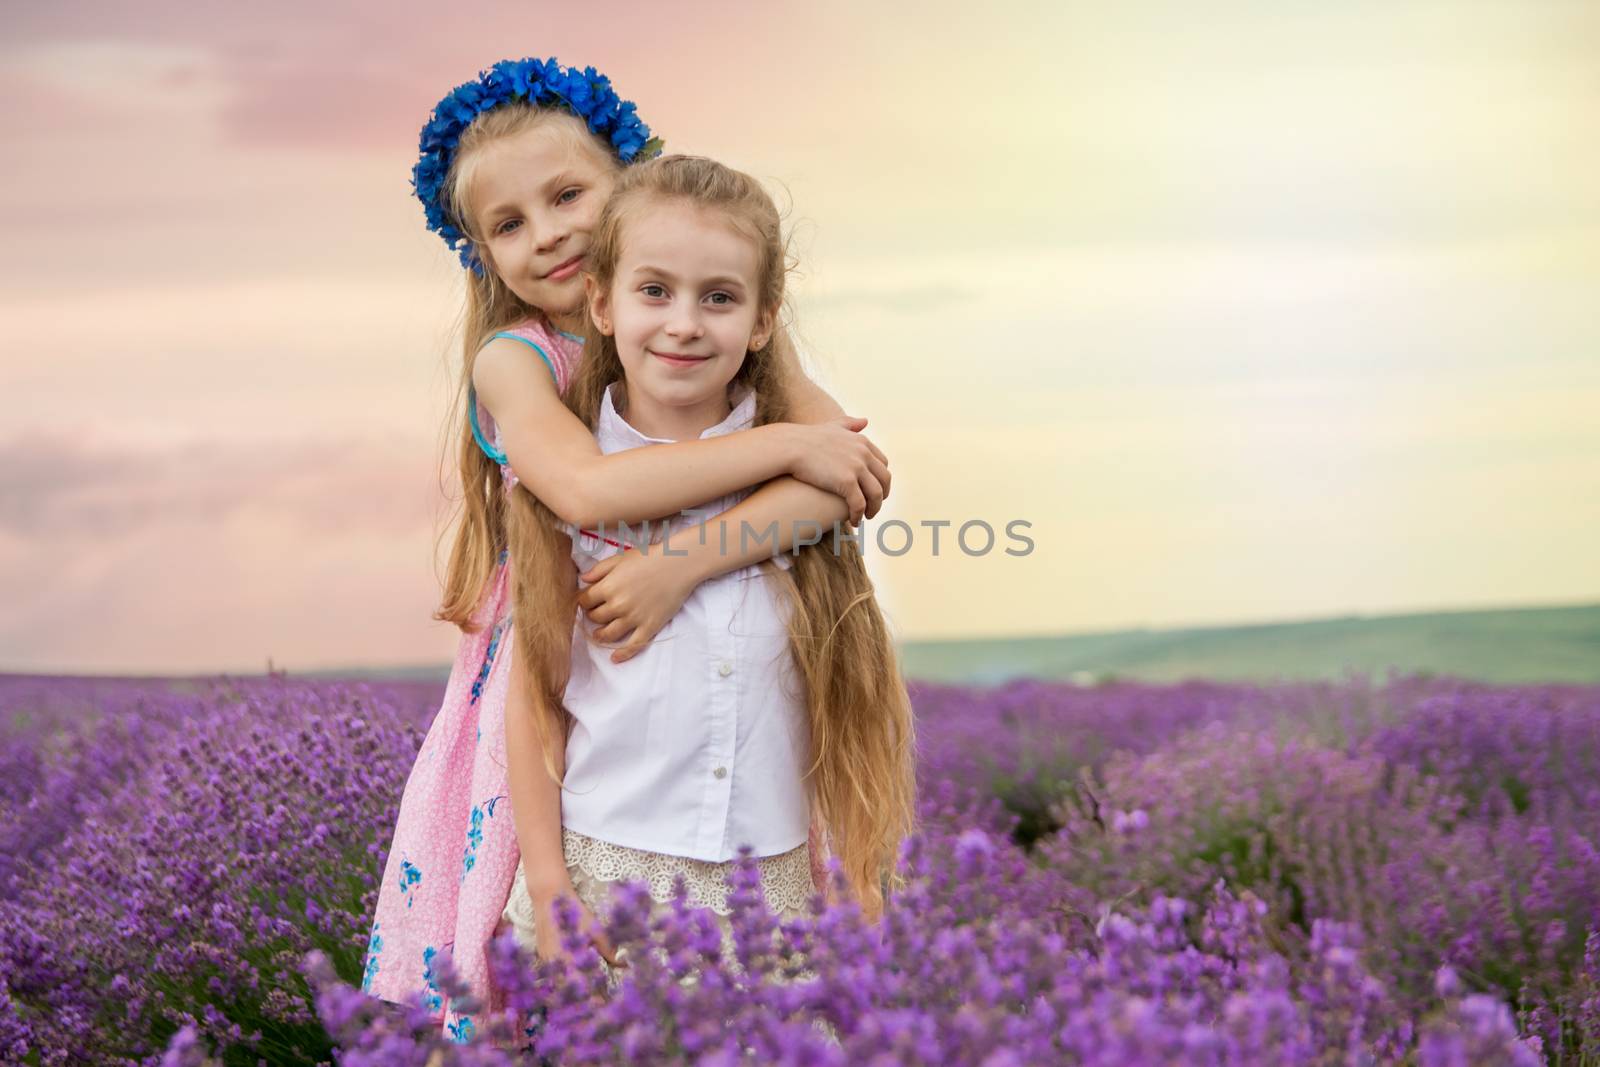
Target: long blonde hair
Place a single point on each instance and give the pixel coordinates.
(859, 714)
(491, 306)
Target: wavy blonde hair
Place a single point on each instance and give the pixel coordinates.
(858, 712)
(491, 306)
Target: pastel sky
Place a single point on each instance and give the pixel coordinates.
(1254, 311)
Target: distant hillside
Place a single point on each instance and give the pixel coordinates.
(1504, 645)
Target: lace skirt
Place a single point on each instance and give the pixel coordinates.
(596, 866)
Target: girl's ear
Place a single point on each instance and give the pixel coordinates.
(763, 331)
(599, 306)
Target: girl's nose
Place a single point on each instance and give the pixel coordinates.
(685, 323)
(546, 233)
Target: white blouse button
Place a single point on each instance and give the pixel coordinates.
(721, 772)
(725, 668)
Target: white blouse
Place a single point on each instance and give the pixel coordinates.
(696, 745)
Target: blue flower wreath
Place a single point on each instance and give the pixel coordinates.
(586, 93)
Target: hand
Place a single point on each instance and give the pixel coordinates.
(634, 593)
(547, 936)
(836, 457)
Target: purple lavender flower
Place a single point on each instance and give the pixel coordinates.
(1197, 874)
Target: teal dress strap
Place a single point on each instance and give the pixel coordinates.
(472, 399)
(477, 431)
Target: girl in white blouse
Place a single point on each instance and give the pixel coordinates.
(774, 693)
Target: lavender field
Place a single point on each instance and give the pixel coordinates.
(1405, 871)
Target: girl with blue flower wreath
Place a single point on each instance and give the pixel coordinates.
(515, 167)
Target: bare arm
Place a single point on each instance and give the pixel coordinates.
(794, 507)
(535, 798)
(741, 535)
(636, 593)
(536, 818)
(558, 459)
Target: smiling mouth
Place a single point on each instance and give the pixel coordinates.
(566, 269)
(678, 360)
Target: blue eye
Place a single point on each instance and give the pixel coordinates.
(506, 226)
(726, 298)
(653, 290)
(569, 195)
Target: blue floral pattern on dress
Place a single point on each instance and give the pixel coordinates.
(461, 1032)
(410, 878)
(374, 946)
(475, 833)
(474, 839)
(432, 999)
(488, 661)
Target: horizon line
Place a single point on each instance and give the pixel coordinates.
(443, 666)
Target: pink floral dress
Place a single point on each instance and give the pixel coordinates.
(454, 854)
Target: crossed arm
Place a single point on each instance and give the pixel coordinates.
(637, 592)
(557, 458)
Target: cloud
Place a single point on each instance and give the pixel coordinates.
(293, 74)
(202, 554)
(57, 487)
(907, 299)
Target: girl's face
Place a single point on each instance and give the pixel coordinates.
(683, 306)
(536, 197)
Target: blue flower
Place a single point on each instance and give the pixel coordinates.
(586, 93)
(374, 946)
(461, 1032)
(475, 832)
(474, 839)
(488, 661)
(433, 1000)
(410, 878)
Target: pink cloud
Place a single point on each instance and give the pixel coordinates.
(119, 556)
(328, 78)
(59, 487)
